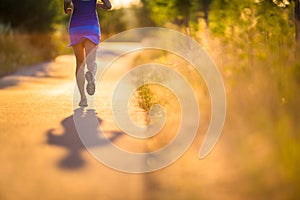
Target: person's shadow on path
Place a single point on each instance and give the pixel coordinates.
(71, 141)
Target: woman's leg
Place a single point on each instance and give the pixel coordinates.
(79, 54)
(91, 54)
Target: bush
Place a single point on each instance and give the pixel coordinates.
(30, 15)
(19, 49)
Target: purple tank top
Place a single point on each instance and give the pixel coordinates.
(84, 13)
(84, 23)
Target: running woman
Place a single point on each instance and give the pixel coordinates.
(84, 31)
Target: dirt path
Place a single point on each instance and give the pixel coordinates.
(42, 157)
(41, 154)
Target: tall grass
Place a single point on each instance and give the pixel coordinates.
(262, 82)
(20, 49)
(262, 129)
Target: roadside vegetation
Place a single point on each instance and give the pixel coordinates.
(255, 44)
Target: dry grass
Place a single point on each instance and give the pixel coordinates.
(23, 49)
(261, 133)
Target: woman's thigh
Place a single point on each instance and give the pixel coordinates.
(90, 48)
(79, 53)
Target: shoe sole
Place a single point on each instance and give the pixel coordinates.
(90, 88)
(83, 104)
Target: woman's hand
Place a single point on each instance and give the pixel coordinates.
(105, 5)
(67, 4)
(69, 11)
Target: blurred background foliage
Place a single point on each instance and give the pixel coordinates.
(255, 43)
(35, 31)
(30, 15)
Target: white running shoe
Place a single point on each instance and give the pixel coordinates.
(90, 88)
(83, 102)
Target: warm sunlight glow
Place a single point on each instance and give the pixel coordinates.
(124, 3)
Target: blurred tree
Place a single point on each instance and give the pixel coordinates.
(178, 12)
(297, 19)
(183, 13)
(30, 15)
(205, 4)
(112, 22)
(261, 22)
(296, 15)
(159, 11)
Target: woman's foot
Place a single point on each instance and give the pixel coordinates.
(90, 88)
(83, 102)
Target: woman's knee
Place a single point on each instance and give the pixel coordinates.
(79, 61)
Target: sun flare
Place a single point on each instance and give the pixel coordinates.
(124, 3)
